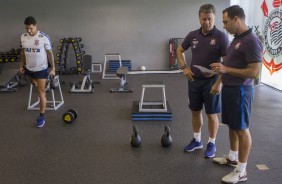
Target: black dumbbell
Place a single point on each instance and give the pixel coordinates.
(80, 54)
(72, 40)
(79, 69)
(70, 116)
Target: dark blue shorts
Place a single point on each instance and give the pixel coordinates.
(37, 75)
(199, 95)
(237, 106)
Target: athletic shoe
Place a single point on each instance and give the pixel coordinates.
(210, 151)
(40, 122)
(193, 146)
(235, 177)
(225, 161)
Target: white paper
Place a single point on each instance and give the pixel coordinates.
(205, 70)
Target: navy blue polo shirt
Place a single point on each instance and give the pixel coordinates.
(244, 49)
(206, 49)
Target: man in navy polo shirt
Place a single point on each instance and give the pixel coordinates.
(208, 45)
(239, 69)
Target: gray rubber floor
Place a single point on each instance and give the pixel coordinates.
(96, 149)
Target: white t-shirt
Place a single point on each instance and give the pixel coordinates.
(35, 50)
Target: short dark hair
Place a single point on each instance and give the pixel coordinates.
(233, 11)
(30, 20)
(207, 8)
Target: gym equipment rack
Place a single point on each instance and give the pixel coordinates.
(64, 52)
(11, 56)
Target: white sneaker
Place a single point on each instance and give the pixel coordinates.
(235, 177)
(225, 161)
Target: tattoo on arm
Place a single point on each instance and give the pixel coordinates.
(51, 58)
(22, 59)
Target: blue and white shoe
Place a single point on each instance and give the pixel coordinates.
(210, 151)
(40, 122)
(193, 145)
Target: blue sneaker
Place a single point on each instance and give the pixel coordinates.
(210, 151)
(40, 122)
(193, 145)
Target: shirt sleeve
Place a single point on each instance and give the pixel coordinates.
(47, 43)
(186, 42)
(253, 51)
(224, 45)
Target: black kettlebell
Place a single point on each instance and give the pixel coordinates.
(22, 80)
(54, 83)
(166, 138)
(135, 139)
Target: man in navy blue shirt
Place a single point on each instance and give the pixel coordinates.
(239, 69)
(208, 45)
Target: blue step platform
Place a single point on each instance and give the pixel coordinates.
(150, 116)
(114, 64)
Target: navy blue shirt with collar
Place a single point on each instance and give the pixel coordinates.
(245, 49)
(206, 49)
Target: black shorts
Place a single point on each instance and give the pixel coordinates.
(43, 74)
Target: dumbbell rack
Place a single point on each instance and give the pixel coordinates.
(64, 52)
(10, 56)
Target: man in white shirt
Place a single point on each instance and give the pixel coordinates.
(35, 55)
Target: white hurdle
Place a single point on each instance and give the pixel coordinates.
(107, 56)
(50, 104)
(162, 104)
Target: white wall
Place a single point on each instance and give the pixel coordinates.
(138, 29)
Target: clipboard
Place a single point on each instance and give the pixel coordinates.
(205, 70)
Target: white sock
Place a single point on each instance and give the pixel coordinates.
(241, 167)
(233, 155)
(197, 136)
(212, 140)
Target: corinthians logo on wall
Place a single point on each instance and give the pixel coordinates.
(272, 56)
